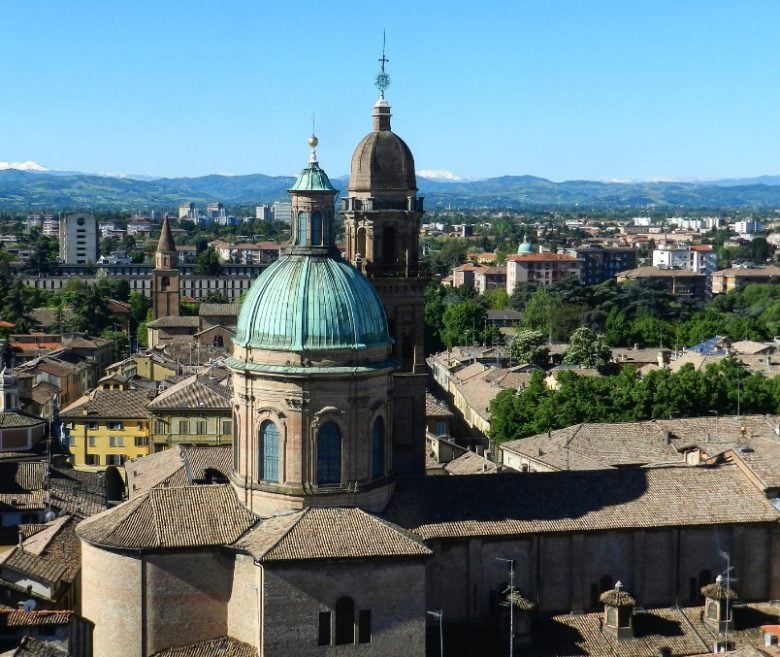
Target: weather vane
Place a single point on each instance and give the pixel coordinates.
(382, 78)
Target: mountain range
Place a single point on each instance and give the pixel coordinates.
(36, 188)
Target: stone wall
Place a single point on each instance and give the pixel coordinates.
(295, 595)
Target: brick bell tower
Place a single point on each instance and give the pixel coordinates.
(165, 276)
(382, 215)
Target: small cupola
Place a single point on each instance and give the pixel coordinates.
(618, 612)
(717, 610)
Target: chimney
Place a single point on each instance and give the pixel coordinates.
(717, 605)
(618, 612)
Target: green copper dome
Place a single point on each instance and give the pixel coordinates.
(526, 247)
(312, 179)
(306, 302)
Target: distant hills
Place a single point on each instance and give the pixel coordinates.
(36, 189)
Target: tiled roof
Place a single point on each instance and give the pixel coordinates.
(58, 543)
(33, 501)
(31, 647)
(20, 477)
(435, 408)
(175, 322)
(681, 630)
(36, 566)
(576, 501)
(178, 466)
(749, 272)
(109, 404)
(44, 391)
(21, 618)
(11, 419)
(194, 393)
(471, 463)
(219, 309)
(191, 516)
(329, 533)
(224, 646)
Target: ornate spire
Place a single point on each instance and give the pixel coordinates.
(313, 141)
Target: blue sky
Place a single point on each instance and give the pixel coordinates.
(564, 89)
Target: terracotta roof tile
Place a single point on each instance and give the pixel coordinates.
(329, 533)
(34, 565)
(175, 322)
(220, 647)
(22, 477)
(191, 516)
(21, 618)
(109, 404)
(195, 392)
(598, 500)
(471, 463)
(31, 647)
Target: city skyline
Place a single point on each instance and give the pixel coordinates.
(561, 90)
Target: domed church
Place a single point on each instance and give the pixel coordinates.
(321, 544)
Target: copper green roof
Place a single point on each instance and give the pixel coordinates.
(312, 179)
(307, 302)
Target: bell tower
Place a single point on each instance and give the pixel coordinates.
(382, 216)
(165, 276)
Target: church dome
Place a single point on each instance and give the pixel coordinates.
(382, 162)
(525, 247)
(305, 302)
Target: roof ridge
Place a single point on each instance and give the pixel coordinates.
(155, 502)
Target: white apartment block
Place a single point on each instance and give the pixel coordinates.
(698, 257)
(282, 212)
(78, 239)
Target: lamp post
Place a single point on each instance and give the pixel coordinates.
(440, 615)
(511, 563)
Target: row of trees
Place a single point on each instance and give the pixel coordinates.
(627, 397)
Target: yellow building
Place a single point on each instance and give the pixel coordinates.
(195, 411)
(107, 427)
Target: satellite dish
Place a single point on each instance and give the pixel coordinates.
(29, 605)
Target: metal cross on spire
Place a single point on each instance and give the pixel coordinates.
(382, 78)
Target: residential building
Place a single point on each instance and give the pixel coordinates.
(263, 212)
(693, 257)
(599, 263)
(734, 278)
(78, 239)
(195, 411)
(187, 211)
(541, 269)
(749, 228)
(681, 283)
(107, 427)
(247, 253)
(490, 278)
(282, 211)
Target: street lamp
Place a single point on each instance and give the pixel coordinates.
(511, 563)
(440, 615)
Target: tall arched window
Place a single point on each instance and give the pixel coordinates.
(329, 454)
(361, 242)
(378, 448)
(268, 464)
(316, 228)
(345, 621)
(303, 220)
(388, 246)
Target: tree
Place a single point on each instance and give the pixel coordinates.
(108, 245)
(208, 263)
(465, 323)
(587, 349)
(43, 259)
(528, 346)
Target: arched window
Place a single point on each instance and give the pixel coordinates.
(329, 454)
(345, 621)
(361, 242)
(303, 220)
(165, 283)
(388, 246)
(316, 228)
(268, 464)
(378, 448)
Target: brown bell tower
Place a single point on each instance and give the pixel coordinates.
(166, 284)
(382, 215)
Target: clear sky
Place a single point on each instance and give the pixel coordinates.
(564, 89)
